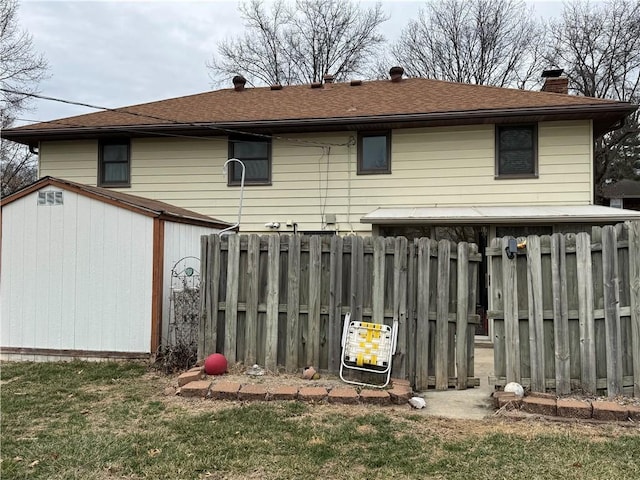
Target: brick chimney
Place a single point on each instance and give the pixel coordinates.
(238, 83)
(555, 82)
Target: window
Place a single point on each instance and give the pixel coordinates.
(256, 156)
(516, 151)
(114, 162)
(374, 153)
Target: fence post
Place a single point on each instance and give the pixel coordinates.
(560, 313)
(442, 315)
(612, 310)
(315, 276)
(231, 310)
(634, 282)
(251, 316)
(511, 327)
(536, 318)
(585, 313)
(204, 306)
(422, 321)
(293, 303)
(400, 305)
(273, 277)
(335, 303)
(462, 314)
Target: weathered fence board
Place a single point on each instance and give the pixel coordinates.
(282, 301)
(580, 313)
(634, 282)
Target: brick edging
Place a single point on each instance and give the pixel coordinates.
(224, 390)
(549, 405)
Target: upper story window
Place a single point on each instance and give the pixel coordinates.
(255, 153)
(516, 151)
(114, 163)
(374, 152)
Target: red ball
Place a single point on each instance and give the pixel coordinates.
(215, 364)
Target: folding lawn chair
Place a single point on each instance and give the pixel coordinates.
(368, 347)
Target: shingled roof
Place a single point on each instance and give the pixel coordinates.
(144, 206)
(410, 102)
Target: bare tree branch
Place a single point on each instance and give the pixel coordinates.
(300, 43)
(598, 45)
(472, 41)
(21, 69)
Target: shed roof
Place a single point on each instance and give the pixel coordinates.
(144, 206)
(500, 215)
(336, 105)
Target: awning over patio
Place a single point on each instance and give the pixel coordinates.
(538, 214)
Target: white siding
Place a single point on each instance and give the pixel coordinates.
(180, 240)
(75, 276)
(444, 166)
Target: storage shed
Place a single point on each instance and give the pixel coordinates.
(85, 271)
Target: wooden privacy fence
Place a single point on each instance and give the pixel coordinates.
(566, 311)
(280, 301)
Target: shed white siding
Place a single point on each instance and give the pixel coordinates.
(75, 276)
(180, 240)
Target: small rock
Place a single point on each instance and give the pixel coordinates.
(309, 373)
(255, 371)
(417, 402)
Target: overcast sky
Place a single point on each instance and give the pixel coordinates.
(115, 53)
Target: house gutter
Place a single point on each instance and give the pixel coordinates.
(617, 110)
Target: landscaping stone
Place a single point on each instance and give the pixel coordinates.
(199, 388)
(375, 397)
(400, 382)
(610, 411)
(283, 392)
(634, 413)
(346, 395)
(400, 394)
(252, 392)
(540, 406)
(189, 376)
(225, 391)
(312, 394)
(570, 408)
(500, 399)
(550, 396)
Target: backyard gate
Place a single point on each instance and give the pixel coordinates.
(280, 300)
(566, 311)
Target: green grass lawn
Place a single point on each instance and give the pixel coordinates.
(110, 420)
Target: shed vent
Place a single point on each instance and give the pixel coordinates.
(51, 197)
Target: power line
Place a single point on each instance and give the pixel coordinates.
(163, 119)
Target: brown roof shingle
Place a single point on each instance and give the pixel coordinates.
(338, 101)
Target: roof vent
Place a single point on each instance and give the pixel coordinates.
(316, 85)
(552, 73)
(328, 78)
(555, 82)
(396, 73)
(356, 83)
(277, 86)
(238, 83)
